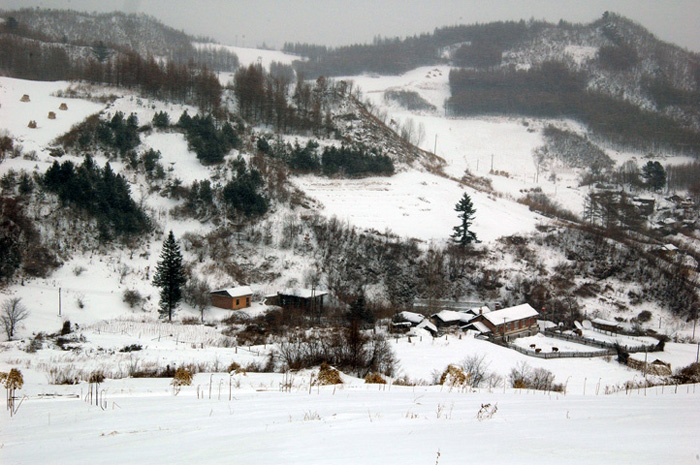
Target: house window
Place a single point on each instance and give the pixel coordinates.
(247, 301)
(237, 302)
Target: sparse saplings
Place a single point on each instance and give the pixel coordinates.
(196, 294)
(169, 277)
(12, 314)
(466, 211)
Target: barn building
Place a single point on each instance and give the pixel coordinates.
(511, 322)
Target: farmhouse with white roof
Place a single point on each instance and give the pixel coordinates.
(512, 322)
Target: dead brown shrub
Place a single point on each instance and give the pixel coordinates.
(374, 378)
(453, 376)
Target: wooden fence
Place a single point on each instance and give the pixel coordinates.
(607, 348)
(601, 344)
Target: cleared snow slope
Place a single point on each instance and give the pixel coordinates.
(414, 204)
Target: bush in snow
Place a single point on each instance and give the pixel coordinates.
(688, 374)
(132, 297)
(374, 378)
(183, 377)
(523, 376)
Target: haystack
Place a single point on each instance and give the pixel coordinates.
(327, 375)
(63, 106)
(32, 124)
(25, 98)
(52, 115)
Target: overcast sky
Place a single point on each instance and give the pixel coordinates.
(337, 22)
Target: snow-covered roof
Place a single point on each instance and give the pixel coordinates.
(600, 321)
(449, 316)
(478, 326)
(239, 291)
(506, 315)
(411, 317)
(425, 324)
(303, 293)
(670, 247)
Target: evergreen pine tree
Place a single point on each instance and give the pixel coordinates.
(655, 175)
(462, 235)
(169, 277)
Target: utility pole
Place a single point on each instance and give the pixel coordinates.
(435, 146)
(59, 301)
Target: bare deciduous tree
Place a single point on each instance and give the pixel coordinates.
(13, 312)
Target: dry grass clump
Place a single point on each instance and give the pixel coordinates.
(183, 377)
(374, 378)
(235, 368)
(327, 375)
(453, 376)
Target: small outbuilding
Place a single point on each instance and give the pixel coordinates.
(234, 298)
(605, 325)
(310, 300)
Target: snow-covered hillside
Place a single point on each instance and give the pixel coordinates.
(603, 417)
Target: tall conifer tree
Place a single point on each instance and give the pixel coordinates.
(462, 235)
(169, 277)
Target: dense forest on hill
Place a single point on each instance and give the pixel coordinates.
(552, 90)
(396, 56)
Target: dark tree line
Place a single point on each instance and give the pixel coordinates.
(350, 161)
(101, 193)
(552, 90)
(118, 133)
(396, 56)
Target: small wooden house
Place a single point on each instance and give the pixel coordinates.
(234, 298)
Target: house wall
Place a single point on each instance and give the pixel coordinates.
(230, 303)
(518, 328)
(290, 301)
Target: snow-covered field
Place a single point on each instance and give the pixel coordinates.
(141, 422)
(254, 418)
